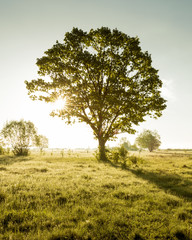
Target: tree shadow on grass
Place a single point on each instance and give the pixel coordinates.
(8, 160)
(172, 183)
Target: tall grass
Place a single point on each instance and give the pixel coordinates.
(71, 196)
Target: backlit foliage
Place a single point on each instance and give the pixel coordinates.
(108, 82)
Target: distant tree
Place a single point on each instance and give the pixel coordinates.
(148, 139)
(41, 142)
(19, 135)
(107, 81)
(125, 143)
(134, 147)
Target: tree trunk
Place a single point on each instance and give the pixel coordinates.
(102, 150)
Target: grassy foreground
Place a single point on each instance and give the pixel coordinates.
(72, 196)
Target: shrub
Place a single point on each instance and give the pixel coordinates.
(118, 154)
(114, 155)
(135, 160)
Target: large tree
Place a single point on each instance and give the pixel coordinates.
(106, 79)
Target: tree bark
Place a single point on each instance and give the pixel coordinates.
(102, 150)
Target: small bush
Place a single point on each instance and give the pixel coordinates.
(20, 151)
(135, 160)
(115, 156)
(118, 154)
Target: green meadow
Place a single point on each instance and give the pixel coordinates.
(70, 195)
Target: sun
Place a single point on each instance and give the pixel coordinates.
(59, 104)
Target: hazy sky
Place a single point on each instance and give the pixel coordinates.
(28, 28)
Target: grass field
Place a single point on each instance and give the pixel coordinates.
(70, 195)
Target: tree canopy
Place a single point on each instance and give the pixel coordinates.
(105, 78)
(149, 139)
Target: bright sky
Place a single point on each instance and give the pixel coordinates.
(28, 28)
